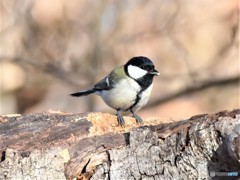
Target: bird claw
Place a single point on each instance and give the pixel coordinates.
(138, 119)
(120, 119)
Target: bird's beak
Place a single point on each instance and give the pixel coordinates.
(154, 72)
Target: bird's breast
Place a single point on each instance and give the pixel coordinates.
(144, 97)
(122, 95)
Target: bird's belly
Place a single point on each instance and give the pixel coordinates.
(122, 96)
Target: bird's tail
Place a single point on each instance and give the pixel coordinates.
(83, 93)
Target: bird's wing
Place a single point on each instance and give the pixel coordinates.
(109, 81)
(103, 84)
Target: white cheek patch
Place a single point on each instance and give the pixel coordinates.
(136, 72)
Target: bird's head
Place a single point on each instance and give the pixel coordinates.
(138, 67)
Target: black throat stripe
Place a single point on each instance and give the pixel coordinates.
(144, 82)
(136, 100)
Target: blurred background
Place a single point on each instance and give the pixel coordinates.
(50, 49)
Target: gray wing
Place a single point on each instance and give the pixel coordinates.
(103, 84)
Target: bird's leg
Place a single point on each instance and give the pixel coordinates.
(120, 118)
(138, 118)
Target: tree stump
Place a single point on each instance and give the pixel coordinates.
(52, 145)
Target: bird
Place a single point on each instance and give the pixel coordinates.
(127, 88)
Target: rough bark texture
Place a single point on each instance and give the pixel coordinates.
(92, 146)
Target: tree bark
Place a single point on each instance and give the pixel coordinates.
(53, 145)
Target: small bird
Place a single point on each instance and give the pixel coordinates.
(127, 87)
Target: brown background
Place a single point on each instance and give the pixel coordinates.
(50, 49)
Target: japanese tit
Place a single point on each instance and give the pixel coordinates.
(127, 87)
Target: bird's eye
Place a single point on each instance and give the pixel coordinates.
(146, 67)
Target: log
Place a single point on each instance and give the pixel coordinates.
(52, 145)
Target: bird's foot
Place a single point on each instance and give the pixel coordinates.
(138, 118)
(120, 119)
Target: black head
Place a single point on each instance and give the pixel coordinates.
(141, 69)
(144, 63)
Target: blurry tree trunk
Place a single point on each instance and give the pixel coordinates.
(91, 146)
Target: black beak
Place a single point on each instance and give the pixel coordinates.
(154, 72)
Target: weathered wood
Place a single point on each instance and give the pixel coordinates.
(92, 146)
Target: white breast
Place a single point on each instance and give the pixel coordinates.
(123, 95)
(144, 97)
